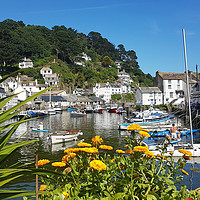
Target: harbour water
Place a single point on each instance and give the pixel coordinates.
(105, 125)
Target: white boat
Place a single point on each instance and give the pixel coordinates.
(64, 136)
(51, 111)
(58, 109)
(77, 114)
(89, 109)
(98, 109)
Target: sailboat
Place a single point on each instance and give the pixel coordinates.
(193, 148)
(51, 110)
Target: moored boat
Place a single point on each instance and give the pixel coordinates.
(77, 114)
(64, 136)
(39, 130)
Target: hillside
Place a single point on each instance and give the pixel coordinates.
(60, 47)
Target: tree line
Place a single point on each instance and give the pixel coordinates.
(41, 44)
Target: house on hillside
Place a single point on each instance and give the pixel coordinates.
(82, 58)
(46, 71)
(125, 77)
(26, 63)
(173, 86)
(83, 101)
(148, 96)
(51, 79)
(97, 101)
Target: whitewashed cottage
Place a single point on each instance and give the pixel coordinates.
(26, 63)
(148, 96)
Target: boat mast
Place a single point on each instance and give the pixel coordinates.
(187, 84)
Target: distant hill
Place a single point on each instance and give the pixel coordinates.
(61, 47)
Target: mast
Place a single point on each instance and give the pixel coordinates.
(187, 84)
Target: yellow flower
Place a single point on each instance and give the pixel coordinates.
(184, 172)
(98, 165)
(112, 160)
(141, 148)
(58, 164)
(120, 151)
(144, 134)
(66, 158)
(97, 140)
(72, 155)
(90, 150)
(133, 127)
(65, 194)
(84, 144)
(43, 187)
(149, 153)
(43, 162)
(105, 147)
(72, 150)
(185, 152)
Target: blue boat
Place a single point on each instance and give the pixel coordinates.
(38, 130)
(166, 133)
(71, 109)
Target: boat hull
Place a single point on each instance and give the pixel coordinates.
(65, 136)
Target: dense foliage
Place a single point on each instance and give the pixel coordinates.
(41, 44)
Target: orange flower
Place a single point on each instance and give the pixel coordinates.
(58, 164)
(84, 144)
(126, 146)
(65, 158)
(158, 155)
(186, 157)
(184, 172)
(43, 162)
(129, 151)
(185, 152)
(98, 165)
(112, 160)
(141, 148)
(120, 151)
(97, 140)
(43, 187)
(106, 147)
(144, 134)
(133, 127)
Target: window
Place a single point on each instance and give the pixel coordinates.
(171, 94)
(150, 95)
(178, 82)
(169, 86)
(169, 81)
(178, 87)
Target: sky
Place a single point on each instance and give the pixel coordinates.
(152, 28)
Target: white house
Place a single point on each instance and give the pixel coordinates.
(23, 93)
(80, 60)
(51, 79)
(106, 90)
(148, 96)
(173, 86)
(46, 70)
(26, 63)
(125, 77)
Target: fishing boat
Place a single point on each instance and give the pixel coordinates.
(65, 135)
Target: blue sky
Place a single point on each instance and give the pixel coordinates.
(152, 28)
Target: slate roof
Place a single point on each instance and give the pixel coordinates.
(53, 98)
(150, 89)
(95, 99)
(173, 76)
